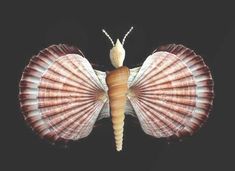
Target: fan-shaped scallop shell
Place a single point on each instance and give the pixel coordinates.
(60, 94)
(172, 92)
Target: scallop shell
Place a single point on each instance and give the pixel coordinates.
(61, 96)
(172, 92)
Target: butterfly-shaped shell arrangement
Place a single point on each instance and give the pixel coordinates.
(62, 96)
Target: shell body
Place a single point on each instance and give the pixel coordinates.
(117, 81)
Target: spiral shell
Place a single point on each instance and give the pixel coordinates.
(60, 94)
(117, 81)
(172, 92)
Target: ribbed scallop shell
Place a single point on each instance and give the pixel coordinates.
(172, 92)
(60, 94)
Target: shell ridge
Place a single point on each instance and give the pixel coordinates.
(145, 120)
(73, 126)
(139, 77)
(159, 70)
(96, 82)
(52, 69)
(156, 118)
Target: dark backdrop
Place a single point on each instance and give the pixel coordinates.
(206, 28)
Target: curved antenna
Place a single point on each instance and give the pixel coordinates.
(123, 40)
(106, 34)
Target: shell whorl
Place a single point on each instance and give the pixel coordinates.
(117, 89)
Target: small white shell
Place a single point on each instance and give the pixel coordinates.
(117, 54)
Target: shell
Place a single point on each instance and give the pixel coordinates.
(117, 54)
(60, 94)
(172, 92)
(117, 81)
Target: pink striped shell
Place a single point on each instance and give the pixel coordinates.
(172, 92)
(60, 95)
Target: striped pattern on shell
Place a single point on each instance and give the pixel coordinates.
(172, 92)
(60, 94)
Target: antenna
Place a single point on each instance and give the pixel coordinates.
(106, 34)
(123, 40)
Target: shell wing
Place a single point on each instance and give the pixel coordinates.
(172, 92)
(129, 108)
(60, 94)
(105, 112)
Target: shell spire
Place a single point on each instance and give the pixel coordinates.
(117, 89)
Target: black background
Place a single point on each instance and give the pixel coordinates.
(208, 28)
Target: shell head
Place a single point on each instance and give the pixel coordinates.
(117, 54)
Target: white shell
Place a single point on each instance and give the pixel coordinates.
(117, 54)
(60, 94)
(172, 92)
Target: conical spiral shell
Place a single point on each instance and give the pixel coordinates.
(117, 81)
